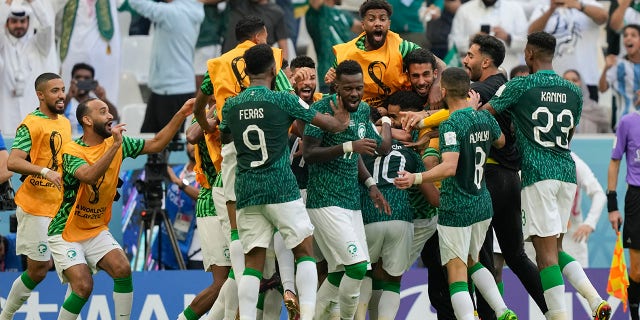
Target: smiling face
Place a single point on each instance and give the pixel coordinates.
(306, 88)
(52, 95)
(350, 89)
(421, 76)
(631, 40)
(376, 24)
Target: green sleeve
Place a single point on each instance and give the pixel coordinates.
(70, 164)
(206, 87)
(495, 127)
(22, 140)
(131, 147)
(508, 94)
(282, 82)
(311, 130)
(449, 141)
(291, 105)
(406, 47)
(224, 125)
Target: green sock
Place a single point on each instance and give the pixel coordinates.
(123, 285)
(551, 277)
(28, 282)
(190, 314)
(74, 303)
(501, 287)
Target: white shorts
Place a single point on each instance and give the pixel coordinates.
(340, 236)
(222, 213)
(546, 206)
(31, 236)
(423, 230)
(68, 254)
(256, 224)
(229, 164)
(202, 55)
(462, 242)
(215, 250)
(391, 241)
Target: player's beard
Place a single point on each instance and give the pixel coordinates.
(103, 129)
(371, 38)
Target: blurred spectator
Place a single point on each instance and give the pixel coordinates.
(209, 44)
(4, 247)
(171, 74)
(90, 33)
(500, 18)
(83, 87)
(328, 26)
(594, 118)
(576, 26)
(527, 6)
(5, 174)
(627, 12)
(613, 37)
(621, 74)
(579, 230)
(270, 13)
(519, 71)
(406, 20)
(438, 29)
(139, 25)
(23, 56)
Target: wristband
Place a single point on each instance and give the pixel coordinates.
(44, 171)
(369, 182)
(386, 120)
(612, 201)
(418, 179)
(347, 147)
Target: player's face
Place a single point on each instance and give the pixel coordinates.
(631, 40)
(350, 89)
(573, 77)
(261, 37)
(393, 112)
(18, 27)
(473, 62)
(421, 76)
(100, 118)
(306, 88)
(376, 24)
(52, 94)
(528, 57)
(82, 75)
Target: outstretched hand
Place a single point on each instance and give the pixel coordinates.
(379, 201)
(340, 112)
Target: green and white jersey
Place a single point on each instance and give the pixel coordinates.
(384, 169)
(204, 203)
(545, 108)
(335, 182)
(464, 198)
(259, 121)
(423, 209)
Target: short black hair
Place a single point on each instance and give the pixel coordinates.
(407, 100)
(419, 56)
(373, 5)
(303, 62)
(83, 110)
(456, 81)
(348, 67)
(544, 42)
(633, 26)
(490, 46)
(83, 66)
(44, 78)
(248, 27)
(518, 69)
(258, 59)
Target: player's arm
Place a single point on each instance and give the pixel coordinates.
(91, 173)
(385, 146)
(162, 138)
(314, 153)
(591, 186)
(376, 196)
(202, 98)
(336, 123)
(195, 133)
(18, 163)
(612, 197)
(500, 142)
(5, 174)
(431, 193)
(447, 168)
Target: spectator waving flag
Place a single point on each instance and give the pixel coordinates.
(618, 276)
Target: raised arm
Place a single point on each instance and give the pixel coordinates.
(162, 138)
(616, 22)
(91, 173)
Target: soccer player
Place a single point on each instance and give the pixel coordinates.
(627, 137)
(332, 190)
(259, 120)
(79, 236)
(545, 108)
(465, 204)
(36, 154)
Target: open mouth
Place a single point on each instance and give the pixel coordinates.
(60, 103)
(108, 126)
(378, 36)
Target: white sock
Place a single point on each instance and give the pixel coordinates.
(181, 316)
(365, 295)
(555, 302)
(388, 305)
(231, 302)
(349, 293)
(237, 258)
(272, 306)
(248, 289)
(326, 298)
(17, 296)
(285, 263)
(575, 275)
(307, 282)
(462, 305)
(217, 310)
(374, 302)
(486, 284)
(123, 303)
(66, 315)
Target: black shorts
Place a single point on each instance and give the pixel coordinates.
(160, 110)
(631, 227)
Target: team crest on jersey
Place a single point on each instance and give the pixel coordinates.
(226, 253)
(362, 130)
(71, 254)
(42, 248)
(352, 248)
